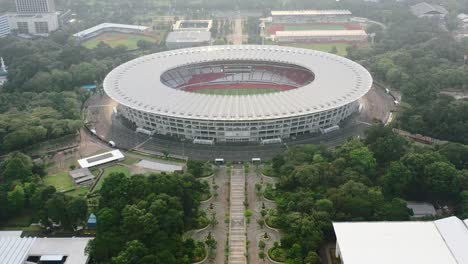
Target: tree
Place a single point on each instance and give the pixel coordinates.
(134, 252)
(333, 50)
(195, 168)
(83, 73)
(312, 258)
(277, 162)
(144, 44)
(16, 199)
(384, 143)
(440, 180)
(397, 181)
(16, 166)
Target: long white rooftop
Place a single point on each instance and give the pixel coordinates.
(338, 81)
(15, 249)
(432, 242)
(310, 12)
(320, 33)
(108, 25)
(100, 159)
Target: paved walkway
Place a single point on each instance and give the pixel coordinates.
(237, 239)
(237, 37)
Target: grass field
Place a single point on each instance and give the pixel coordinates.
(326, 47)
(115, 39)
(61, 181)
(108, 171)
(237, 91)
(79, 191)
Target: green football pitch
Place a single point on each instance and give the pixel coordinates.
(236, 91)
(115, 39)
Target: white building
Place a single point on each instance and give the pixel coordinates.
(192, 25)
(311, 16)
(40, 24)
(109, 27)
(424, 9)
(15, 249)
(463, 18)
(4, 25)
(432, 242)
(35, 6)
(321, 36)
(187, 39)
(103, 158)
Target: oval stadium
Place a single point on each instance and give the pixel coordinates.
(244, 93)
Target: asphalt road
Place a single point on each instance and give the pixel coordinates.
(376, 105)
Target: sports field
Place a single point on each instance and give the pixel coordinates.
(61, 181)
(325, 47)
(237, 91)
(115, 39)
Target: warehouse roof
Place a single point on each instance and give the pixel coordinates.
(321, 33)
(73, 248)
(137, 84)
(108, 25)
(188, 36)
(15, 249)
(433, 242)
(310, 12)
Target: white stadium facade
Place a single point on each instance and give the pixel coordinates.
(302, 92)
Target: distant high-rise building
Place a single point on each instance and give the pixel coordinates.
(35, 6)
(4, 25)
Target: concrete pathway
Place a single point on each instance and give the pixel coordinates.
(237, 37)
(237, 238)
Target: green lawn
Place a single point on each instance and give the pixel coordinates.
(80, 191)
(326, 47)
(237, 91)
(108, 171)
(61, 181)
(115, 39)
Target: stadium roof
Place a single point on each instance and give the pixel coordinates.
(321, 33)
(188, 36)
(338, 81)
(108, 25)
(424, 8)
(310, 12)
(101, 159)
(434, 242)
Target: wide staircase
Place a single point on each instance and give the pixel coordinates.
(237, 238)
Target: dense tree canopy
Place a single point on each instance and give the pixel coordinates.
(141, 219)
(366, 180)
